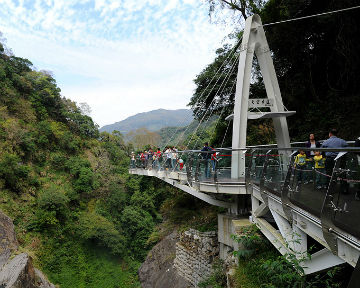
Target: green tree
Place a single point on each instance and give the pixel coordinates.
(137, 225)
(14, 172)
(96, 227)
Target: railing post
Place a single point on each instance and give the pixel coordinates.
(328, 210)
(263, 178)
(189, 168)
(197, 170)
(285, 200)
(248, 181)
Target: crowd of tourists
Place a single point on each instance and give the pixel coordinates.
(157, 159)
(321, 162)
(169, 159)
(306, 162)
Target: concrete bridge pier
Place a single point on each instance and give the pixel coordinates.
(229, 225)
(241, 205)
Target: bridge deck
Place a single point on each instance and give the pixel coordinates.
(207, 185)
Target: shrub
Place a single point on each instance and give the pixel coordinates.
(74, 165)
(137, 225)
(217, 279)
(14, 172)
(93, 226)
(85, 181)
(58, 161)
(53, 199)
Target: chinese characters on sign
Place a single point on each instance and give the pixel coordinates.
(261, 102)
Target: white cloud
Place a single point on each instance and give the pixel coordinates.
(138, 55)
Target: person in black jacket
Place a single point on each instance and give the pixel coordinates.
(312, 143)
(206, 157)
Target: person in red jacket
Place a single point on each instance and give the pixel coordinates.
(143, 159)
(157, 156)
(213, 160)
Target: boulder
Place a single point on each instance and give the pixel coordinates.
(42, 281)
(8, 242)
(16, 272)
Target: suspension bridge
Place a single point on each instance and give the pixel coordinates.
(263, 181)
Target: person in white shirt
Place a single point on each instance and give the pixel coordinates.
(173, 157)
(168, 154)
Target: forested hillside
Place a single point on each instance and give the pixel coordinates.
(152, 120)
(77, 212)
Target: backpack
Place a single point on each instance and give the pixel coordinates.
(206, 155)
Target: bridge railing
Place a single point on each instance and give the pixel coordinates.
(342, 205)
(277, 164)
(213, 166)
(333, 195)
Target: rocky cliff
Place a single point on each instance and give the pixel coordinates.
(16, 270)
(158, 270)
(180, 261)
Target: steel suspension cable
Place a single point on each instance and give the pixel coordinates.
(227, 75)
(232, 53)
(311, 16)
(221, 113)
(204, 103)
(187, 128)
(205, 113)
(220, 89)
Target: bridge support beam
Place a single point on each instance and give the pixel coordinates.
(290, 237)
(197, 194)
(321, 260)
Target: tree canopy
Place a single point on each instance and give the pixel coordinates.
(316, 61)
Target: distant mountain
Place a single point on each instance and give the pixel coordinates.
(153, 120)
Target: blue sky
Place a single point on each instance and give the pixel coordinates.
(120, 57)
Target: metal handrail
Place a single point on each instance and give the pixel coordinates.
(344, 149)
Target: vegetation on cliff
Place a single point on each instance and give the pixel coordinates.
(77, 211)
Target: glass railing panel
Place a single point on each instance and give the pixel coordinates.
(251, 166)
(203, 169)
(167, 163)
(257, 165)
(346, 202)
(194, 164)
(156, 163)
(308, 186)
(276, 171)
(221, 161)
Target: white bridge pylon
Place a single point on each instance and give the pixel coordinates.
(254, 41)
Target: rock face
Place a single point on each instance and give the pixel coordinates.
(8, 242)
(16, 272)
(158, 270)
(195, 253)
(180, 261)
